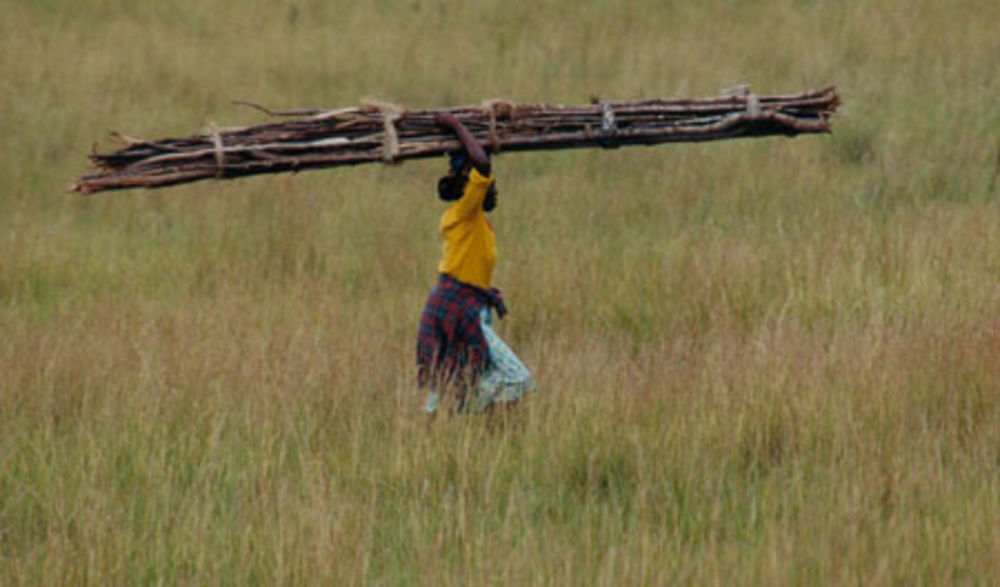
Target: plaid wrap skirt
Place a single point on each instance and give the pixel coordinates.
(451, 346)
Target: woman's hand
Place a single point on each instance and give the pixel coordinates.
(446, 119)
(476, 152)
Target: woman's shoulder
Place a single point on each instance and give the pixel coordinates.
(479, 178)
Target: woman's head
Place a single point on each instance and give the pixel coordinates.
(452, 186)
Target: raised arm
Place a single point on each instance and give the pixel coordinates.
(476, 152)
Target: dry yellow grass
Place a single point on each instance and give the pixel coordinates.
(760, 362)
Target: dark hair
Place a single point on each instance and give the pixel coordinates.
(451, 186)
(490, 201)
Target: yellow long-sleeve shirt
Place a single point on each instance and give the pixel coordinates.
(470, 247)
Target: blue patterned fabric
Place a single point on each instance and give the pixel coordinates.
(506, 378)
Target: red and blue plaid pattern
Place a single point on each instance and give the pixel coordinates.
(451, 347)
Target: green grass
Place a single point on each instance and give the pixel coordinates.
(760, 362)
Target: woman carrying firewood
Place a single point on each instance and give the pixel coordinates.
(460, 359)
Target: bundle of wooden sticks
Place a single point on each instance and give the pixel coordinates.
(377, 132)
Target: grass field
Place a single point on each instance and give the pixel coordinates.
(759, 362)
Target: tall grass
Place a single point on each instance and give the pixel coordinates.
(762, 362)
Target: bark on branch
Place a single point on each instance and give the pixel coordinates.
(375, 132)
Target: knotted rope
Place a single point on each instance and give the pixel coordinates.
(220, 155)
(753, 105)
(609, 127)
(750, 98)
(494, 109)
(390, 113)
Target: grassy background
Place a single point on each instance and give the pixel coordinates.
(770, 361)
